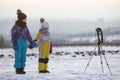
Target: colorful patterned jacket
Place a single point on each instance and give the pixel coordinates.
(19, 32)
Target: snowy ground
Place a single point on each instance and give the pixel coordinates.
(66, 63)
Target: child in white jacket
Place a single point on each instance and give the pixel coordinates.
(43, 41)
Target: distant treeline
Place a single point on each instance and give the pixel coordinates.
(87, 44)
(4, 43)
(57, 42)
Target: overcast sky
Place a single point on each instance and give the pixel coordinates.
(83, 9)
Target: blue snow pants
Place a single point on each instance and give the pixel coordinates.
(20, 53)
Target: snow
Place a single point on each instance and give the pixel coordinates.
(64, 64)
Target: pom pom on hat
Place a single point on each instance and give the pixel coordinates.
(19, 11)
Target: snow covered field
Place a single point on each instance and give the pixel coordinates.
(66, 63)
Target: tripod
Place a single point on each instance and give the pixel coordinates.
(101, 53)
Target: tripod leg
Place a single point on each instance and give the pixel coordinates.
(106, 62)
(107, 65)
(101, 63)
(89, 60)
(88, 63)
(100, 49)
(99, 52)
(103, 52)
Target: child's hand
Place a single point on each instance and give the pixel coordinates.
(15, 47)
(32, 45)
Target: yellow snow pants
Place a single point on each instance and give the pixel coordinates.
(43, 49)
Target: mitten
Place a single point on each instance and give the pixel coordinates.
(15, 47)
(32, 45)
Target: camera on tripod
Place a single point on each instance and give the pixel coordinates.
(101, 53)
(99, 35)
(100, 40)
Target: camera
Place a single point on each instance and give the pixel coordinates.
(99, 35)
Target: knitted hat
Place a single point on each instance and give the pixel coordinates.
(42, 20)
(21, 16)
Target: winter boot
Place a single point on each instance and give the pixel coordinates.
(22, 69)
(44, 71)
(18, 71)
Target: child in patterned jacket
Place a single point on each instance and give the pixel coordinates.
(20, 34)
